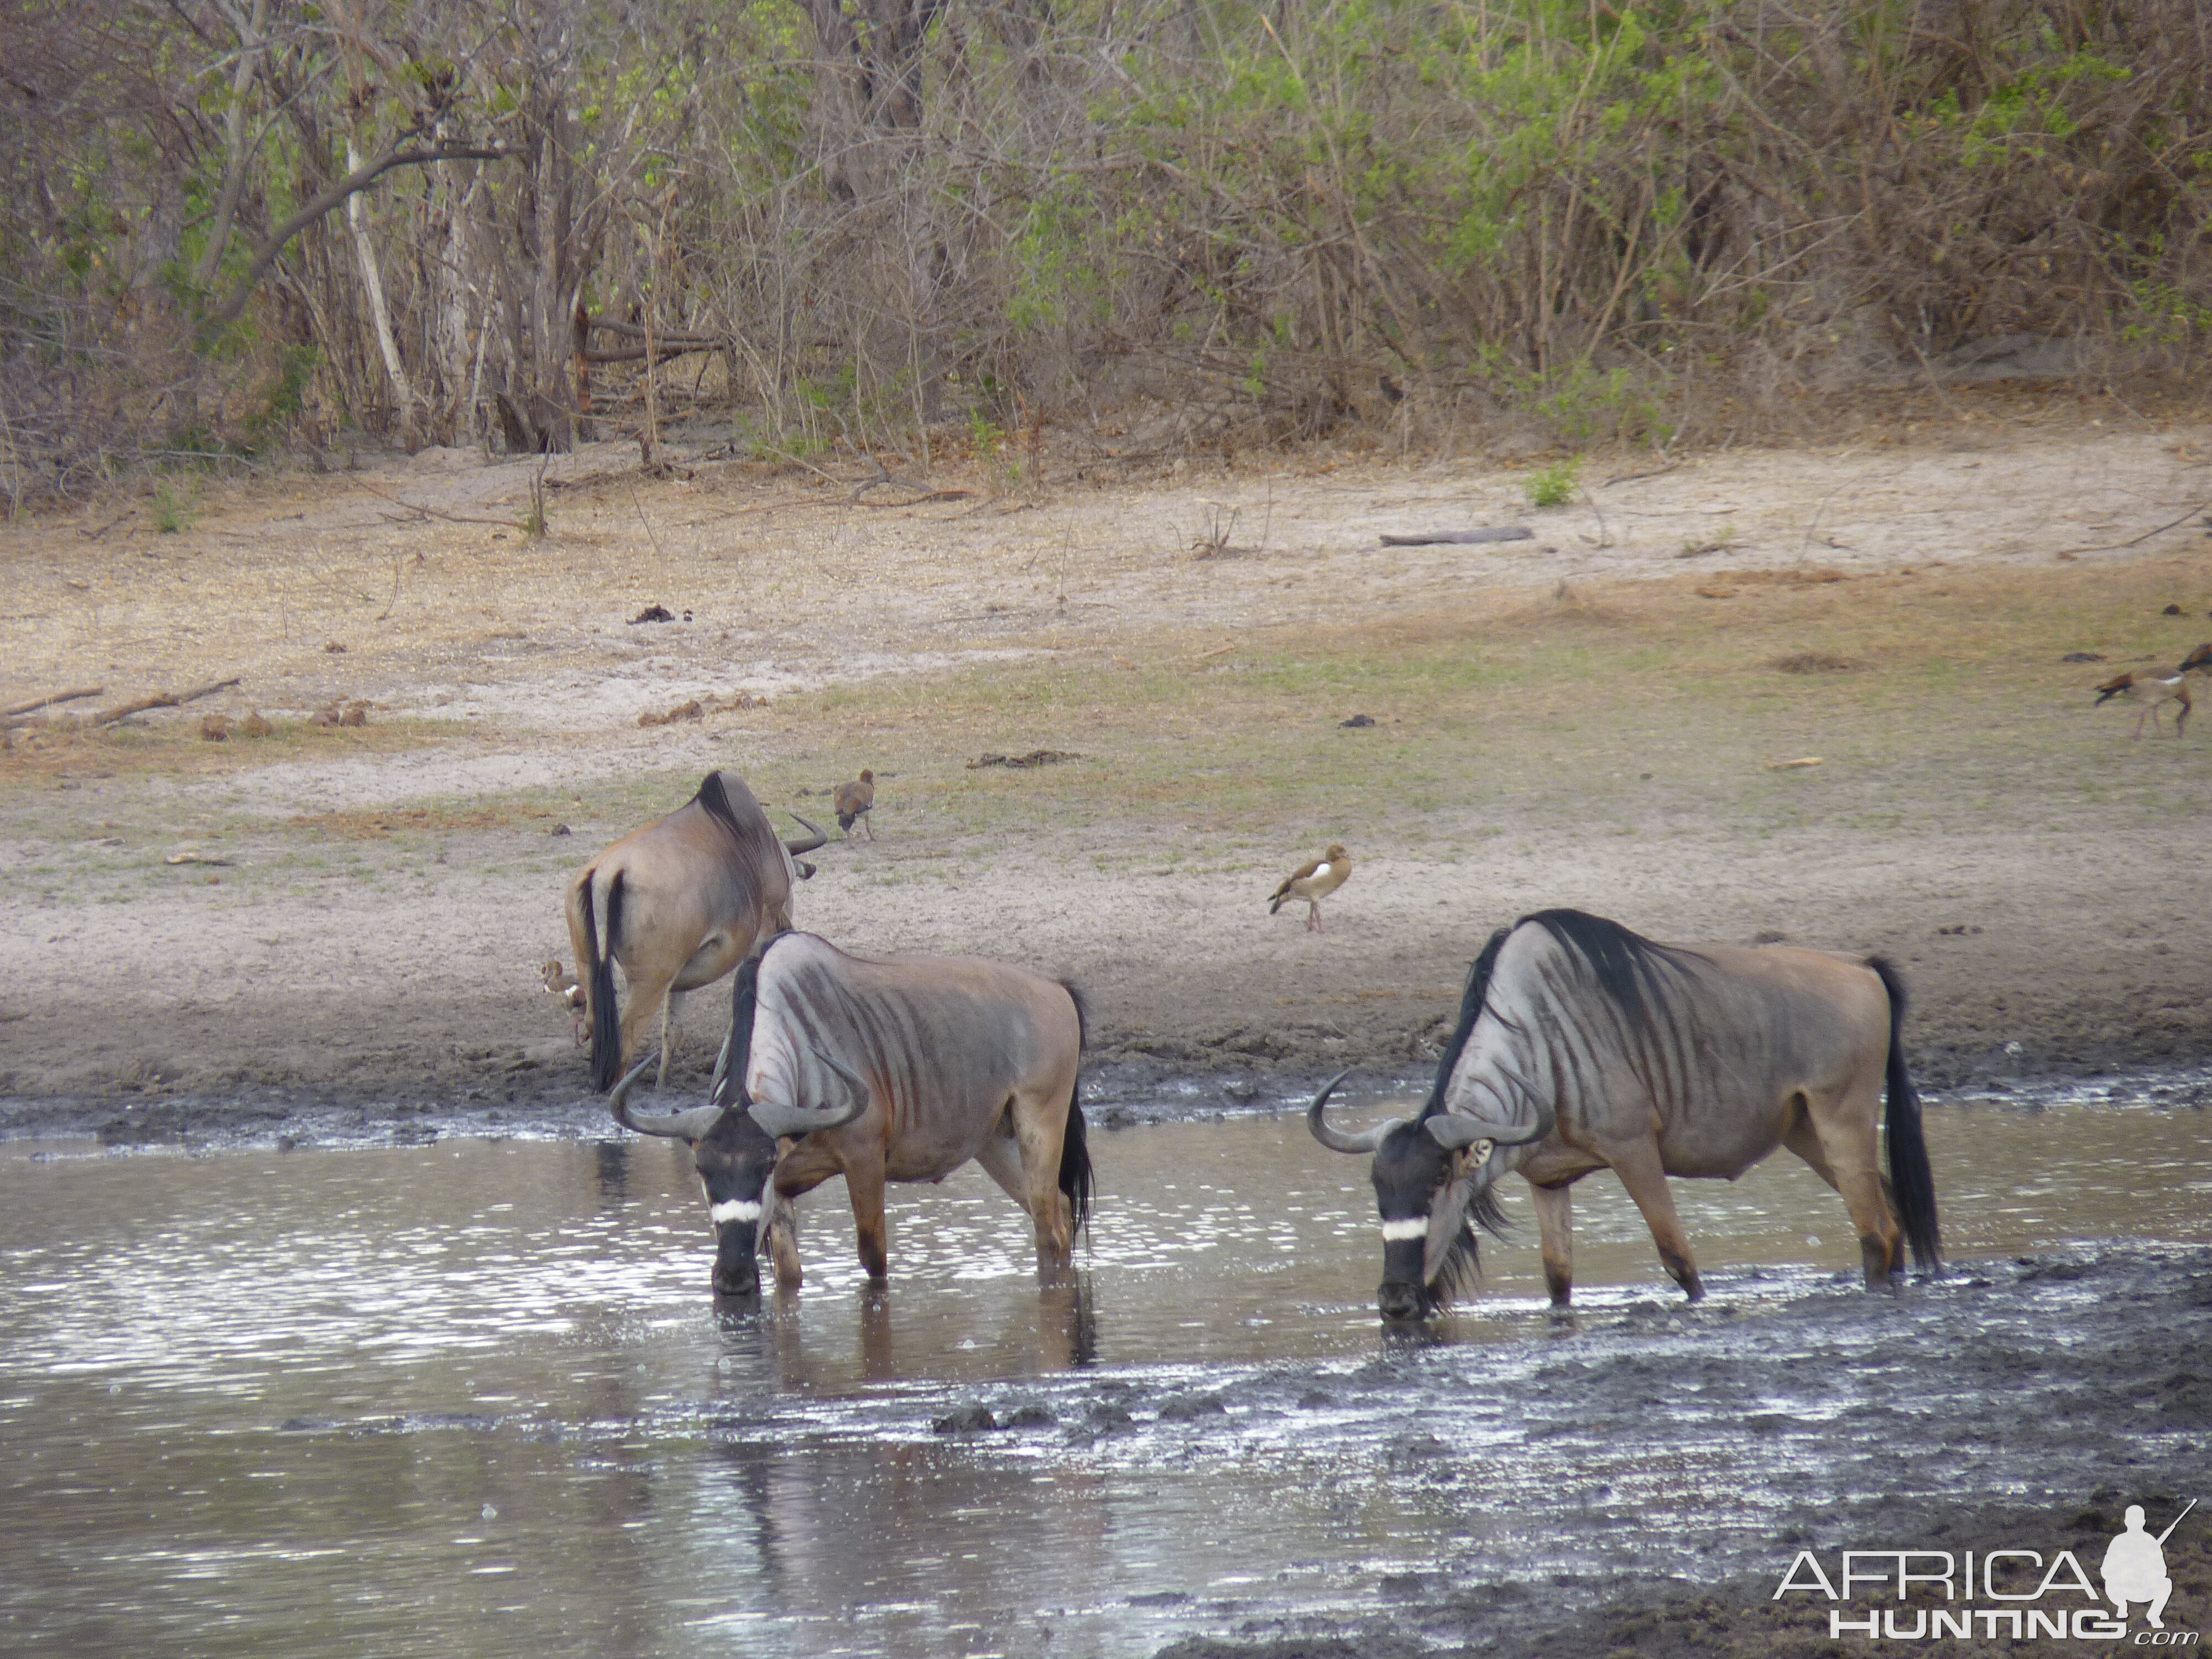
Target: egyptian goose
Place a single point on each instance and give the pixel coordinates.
(855, 801)
(570, 996)
(2150, 689)
(1313, 883)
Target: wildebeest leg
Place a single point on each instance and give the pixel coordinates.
(1005, 1161)
(672, 1018)
(1000, 1156)
(1039, 1120)
(648, 994)
(1640, 1171)
(864, 1184)
(1555, 1221)
(801, 1166)
(780, 1229)
(1842, 1153)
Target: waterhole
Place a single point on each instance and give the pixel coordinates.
(473, 1397)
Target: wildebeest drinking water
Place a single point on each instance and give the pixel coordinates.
(1583, 1046)
(898, 1068)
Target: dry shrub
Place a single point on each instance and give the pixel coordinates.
(1271, 224)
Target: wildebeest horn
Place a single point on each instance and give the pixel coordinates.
(1334, 1139)
(795, 847)
(721, 1065)
(1457, 1130)
(684, 1126)
(781, 1121)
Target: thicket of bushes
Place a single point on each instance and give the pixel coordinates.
(864, 217)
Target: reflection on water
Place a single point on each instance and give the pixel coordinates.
(474, 1398)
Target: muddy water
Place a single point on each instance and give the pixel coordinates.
(473, 1397)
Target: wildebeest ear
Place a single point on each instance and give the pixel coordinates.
(1455, 1133)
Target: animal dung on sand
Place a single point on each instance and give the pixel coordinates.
(1023, 762)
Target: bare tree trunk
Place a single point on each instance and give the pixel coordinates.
(237, 122)
(372, 284)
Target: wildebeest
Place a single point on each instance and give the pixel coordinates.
(878, 1069)
(678, 903)
(1582, 1046)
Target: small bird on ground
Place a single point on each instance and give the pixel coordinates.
(1313, 883)
(855, 801)
(564, 990)
(253, 725)
(2151, 689)
(214, 728)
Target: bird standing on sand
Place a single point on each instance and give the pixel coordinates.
(1313, 883)
(565, 991)
(855, 801)
(2150, 689)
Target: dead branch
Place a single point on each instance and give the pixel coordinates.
(336, 196)
(2138, 541)
(433, 513)
(161, 700)
(14, 710)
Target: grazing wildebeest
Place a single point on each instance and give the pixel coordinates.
(1584, 1046)
(898, 1068)
(679, 904)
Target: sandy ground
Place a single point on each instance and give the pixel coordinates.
(372, 933)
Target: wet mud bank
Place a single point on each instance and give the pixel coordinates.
(523, 1095)
(2020, 1405)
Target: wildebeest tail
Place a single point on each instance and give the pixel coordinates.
(1075, 1177)
(1910, 1178)
(599, 969)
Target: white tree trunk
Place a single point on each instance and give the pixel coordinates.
(403, 394)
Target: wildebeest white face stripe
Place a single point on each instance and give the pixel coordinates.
(1415, 1226)
(735, 1209)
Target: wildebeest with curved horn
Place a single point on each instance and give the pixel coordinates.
(678, 903)
(879, 1069)
(1583, 1046)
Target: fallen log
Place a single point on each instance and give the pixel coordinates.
(1460, 537)
(14, 710)
(161, 700)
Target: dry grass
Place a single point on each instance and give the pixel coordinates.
(1640, 704)
(172, 747)
(382, 824)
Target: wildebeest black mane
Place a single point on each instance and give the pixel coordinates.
(716, 797)
(744, 1006)
(1470, 1009)
(1627, 967)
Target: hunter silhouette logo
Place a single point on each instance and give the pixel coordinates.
(2134, 1566)
(2023, 1594)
